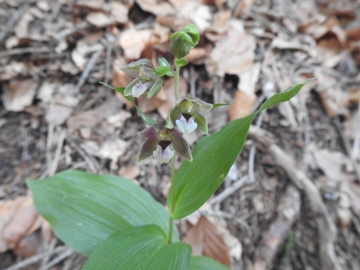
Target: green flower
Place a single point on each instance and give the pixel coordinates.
(161, 142)
(146, 79)
(189, 115)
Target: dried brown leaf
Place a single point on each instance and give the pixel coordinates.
(231, 56)
(206, 240)
(242, 105)
(134, 42)
(219, 26)
(156, 7)
(100, 19)
(19, 94)
(130, 172)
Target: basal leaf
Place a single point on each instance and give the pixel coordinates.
(142, 247)
(205, 263)
(213, 157)
(84, 209)
(147, 119)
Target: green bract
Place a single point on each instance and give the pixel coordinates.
(147, 80)
(183, 41)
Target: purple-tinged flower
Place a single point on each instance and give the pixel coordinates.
(188, 112)
(162, 142)
(146, 79)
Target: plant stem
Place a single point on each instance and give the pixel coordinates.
(171, 226)
(172, 189)
(176, 85)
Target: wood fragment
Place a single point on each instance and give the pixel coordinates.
(274, 238)
(326, 225)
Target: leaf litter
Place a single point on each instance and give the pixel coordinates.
(249, 50)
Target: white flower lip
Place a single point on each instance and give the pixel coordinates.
(186, 126)
(164, 156)
(138, 89)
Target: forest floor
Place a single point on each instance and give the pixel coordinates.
(291, 200)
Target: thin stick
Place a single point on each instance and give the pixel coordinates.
(68, 252)
(230, 190)
(56, 159)
(24, 50)
(36, 258)
(253, 149)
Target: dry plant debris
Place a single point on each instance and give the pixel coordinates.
(55, 116)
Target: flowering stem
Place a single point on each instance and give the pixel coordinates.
(176, 86)
(172, 189)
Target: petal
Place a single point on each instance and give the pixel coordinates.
(148, 148)
(128, 89)
(186, 126)
(148, 133)
(163, 156)
(202, 107)
(180, 144)
(202, 123)
(138, 89)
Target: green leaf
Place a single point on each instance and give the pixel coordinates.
(181, 62)
(164, 70)
(213, 157)
(142, 247)
(147, 119)
(221, 104)
(192, 30)
(155, 89)
(163, 62)
(205, 263)
(84, 209)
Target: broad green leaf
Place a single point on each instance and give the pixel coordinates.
(205, 263)
(213, 157)
(142, 247)
(147, 119)
(84, 209)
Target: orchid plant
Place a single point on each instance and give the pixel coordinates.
(117, 223)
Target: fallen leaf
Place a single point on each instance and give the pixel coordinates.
(134, 42)
(175, 23)
(231, 56)
(242, 105)
(156, 7)
(100, 19)
(92, 117)
(110, 149)
(79, 55)
(205, 240)
(219, 26)
(19, 94)
(196, 56)
(19, 222)
(130, 172)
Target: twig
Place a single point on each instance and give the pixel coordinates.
(230, 190)
(253, 150)
(90, 64)
(356, 144)
(67, 252)
(326, 225)
(69, 31)
(24, 50)
(346, 146)
(109, 46)
(14, 18)
(49, 141)
(54, 12)
(56, 158)
(273, 239)
(93, 166)
(36, 258)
